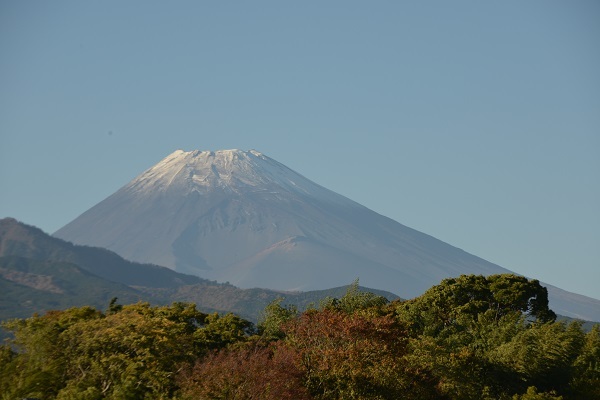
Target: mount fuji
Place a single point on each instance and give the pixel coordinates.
(242, 217)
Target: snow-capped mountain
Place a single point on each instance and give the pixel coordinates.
(242, 217)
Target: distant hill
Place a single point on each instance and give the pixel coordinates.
(29, 286)
(40, 273)
(18, 239)
(249, 303)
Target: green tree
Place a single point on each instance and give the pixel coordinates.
(222, 331)
(457, 302)
(133, 351)
(354, 299)
(542, 355)
(39, 366)
(456, 326)
(129, 354)
(274, 317)
(586, 374)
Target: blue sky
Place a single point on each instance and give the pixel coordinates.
(475, 122)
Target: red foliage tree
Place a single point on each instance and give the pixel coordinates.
(356, 356)
(246, 373)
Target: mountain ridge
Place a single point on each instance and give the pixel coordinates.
(218, 215)
(29, 241)
(38, 274)
(189, 226)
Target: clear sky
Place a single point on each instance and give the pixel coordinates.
(475, 122)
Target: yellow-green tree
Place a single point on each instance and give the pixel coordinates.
(133, 351)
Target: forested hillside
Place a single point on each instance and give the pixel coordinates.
(467, 338)
(18, 239)
(40, 273)
(32, 286)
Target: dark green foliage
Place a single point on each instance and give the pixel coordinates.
(586, 368)
(456, 303)
(274, 317)
(113, 307)
(467, 338)
(493, 338)
(542, 355)
(222, 331)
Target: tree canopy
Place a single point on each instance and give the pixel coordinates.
(468, 337)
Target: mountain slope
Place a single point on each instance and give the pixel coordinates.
(17, 239)
(34, 277)
(29, 286)
(242, 217)
(208, 212)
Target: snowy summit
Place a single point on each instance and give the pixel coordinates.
(232, 170)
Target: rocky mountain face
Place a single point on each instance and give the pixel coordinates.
(242, 217)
